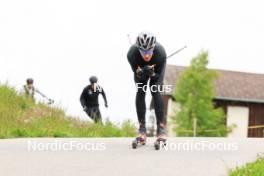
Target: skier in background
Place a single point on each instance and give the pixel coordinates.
(148, 61)
(89, 100)
(30, 91)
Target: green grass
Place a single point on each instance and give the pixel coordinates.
(251, 169)
(21, 117)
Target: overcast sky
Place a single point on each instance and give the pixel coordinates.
(61, 43)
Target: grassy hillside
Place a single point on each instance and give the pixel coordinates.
(251, 169)
(21, 117)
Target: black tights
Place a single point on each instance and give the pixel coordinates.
(95, 114)
(157, 99)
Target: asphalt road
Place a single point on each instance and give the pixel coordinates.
(115, 157)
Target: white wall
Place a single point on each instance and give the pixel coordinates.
(238, 116)
(173, 108)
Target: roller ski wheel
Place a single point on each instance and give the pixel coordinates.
(160, 142)
(138, 141)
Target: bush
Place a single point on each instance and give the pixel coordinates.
(251, 169)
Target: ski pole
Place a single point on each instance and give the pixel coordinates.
(50, 101)
(179, 50)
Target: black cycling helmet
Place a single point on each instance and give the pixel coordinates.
(93, 79)
(30, 81)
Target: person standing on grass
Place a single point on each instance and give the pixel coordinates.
(30, 91)
(89, 100)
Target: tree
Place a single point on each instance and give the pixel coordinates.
(195, 93)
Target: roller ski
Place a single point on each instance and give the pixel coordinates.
(161, 138)
(140, 139)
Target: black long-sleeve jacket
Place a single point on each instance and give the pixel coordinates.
(158, 59)
(89, 96)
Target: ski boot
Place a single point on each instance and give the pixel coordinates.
(161, 137)
(141, 138)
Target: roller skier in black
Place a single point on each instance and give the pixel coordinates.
(148, 62)
(89, 100)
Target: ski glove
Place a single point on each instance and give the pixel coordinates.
(145, 72)
(85, 108)
(149, 70)
(139, 72)
(50, 101)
